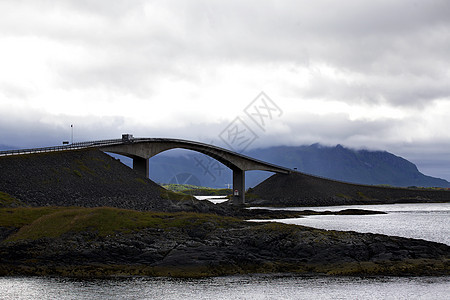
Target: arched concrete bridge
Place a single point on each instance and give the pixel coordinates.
(142, 149)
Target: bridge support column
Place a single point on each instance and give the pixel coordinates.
(238, 187)
(141, 165)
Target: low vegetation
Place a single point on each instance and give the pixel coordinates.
(102, 241)
(170, 195)
(35, 223)
(7, 200)
(189, 189)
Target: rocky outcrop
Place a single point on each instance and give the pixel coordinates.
(209, 248)
(298, 189)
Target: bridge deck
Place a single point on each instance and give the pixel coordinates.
(115, 142)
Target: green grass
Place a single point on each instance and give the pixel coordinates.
(251, 196)
(183, 191)
(82, 166)
(208, 192)
(363, 196)
(7, 200)
(181, 187)
(340, 195)
(18, 217)
(141, 180)
(53, 222)
(189, 189)
(169, 195)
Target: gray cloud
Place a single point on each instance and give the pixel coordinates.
(39, 129)
(393, 50)
(386, 53)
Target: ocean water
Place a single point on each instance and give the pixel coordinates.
(230, 287)
(430, 222)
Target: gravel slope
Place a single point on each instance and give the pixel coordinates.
(298, 189)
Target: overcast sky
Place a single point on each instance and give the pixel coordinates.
(364, 74)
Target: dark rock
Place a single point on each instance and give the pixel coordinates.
(88, 178)
(298, 189)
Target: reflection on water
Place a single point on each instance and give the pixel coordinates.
(421, 221)
(232, 287)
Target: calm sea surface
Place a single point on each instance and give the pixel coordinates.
(421, 221)
(231, 287)
(426, 221)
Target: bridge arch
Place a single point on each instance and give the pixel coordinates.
(141, 150)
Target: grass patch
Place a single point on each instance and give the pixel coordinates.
(140, 180)
(170, 195)
(6, 200)
(189, 189)
(364, 197)
(251, 196)
(344, 196)
(38, 223)
(181, 187)
(85, 168)
(18, 217)
(78, 173)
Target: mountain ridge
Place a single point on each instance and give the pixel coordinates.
(350, 165)
(338, 163)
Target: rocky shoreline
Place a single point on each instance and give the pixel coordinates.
(185, 245)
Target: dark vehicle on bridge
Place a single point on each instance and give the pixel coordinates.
(127, 138)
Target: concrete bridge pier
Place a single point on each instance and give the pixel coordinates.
(238, 187)
(140, 150)
(141, 165)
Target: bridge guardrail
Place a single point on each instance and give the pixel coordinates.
(74, 146)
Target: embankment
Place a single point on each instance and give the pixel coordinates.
(87, 178)
(298, 189)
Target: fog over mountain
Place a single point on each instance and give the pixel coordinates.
(340, 163)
